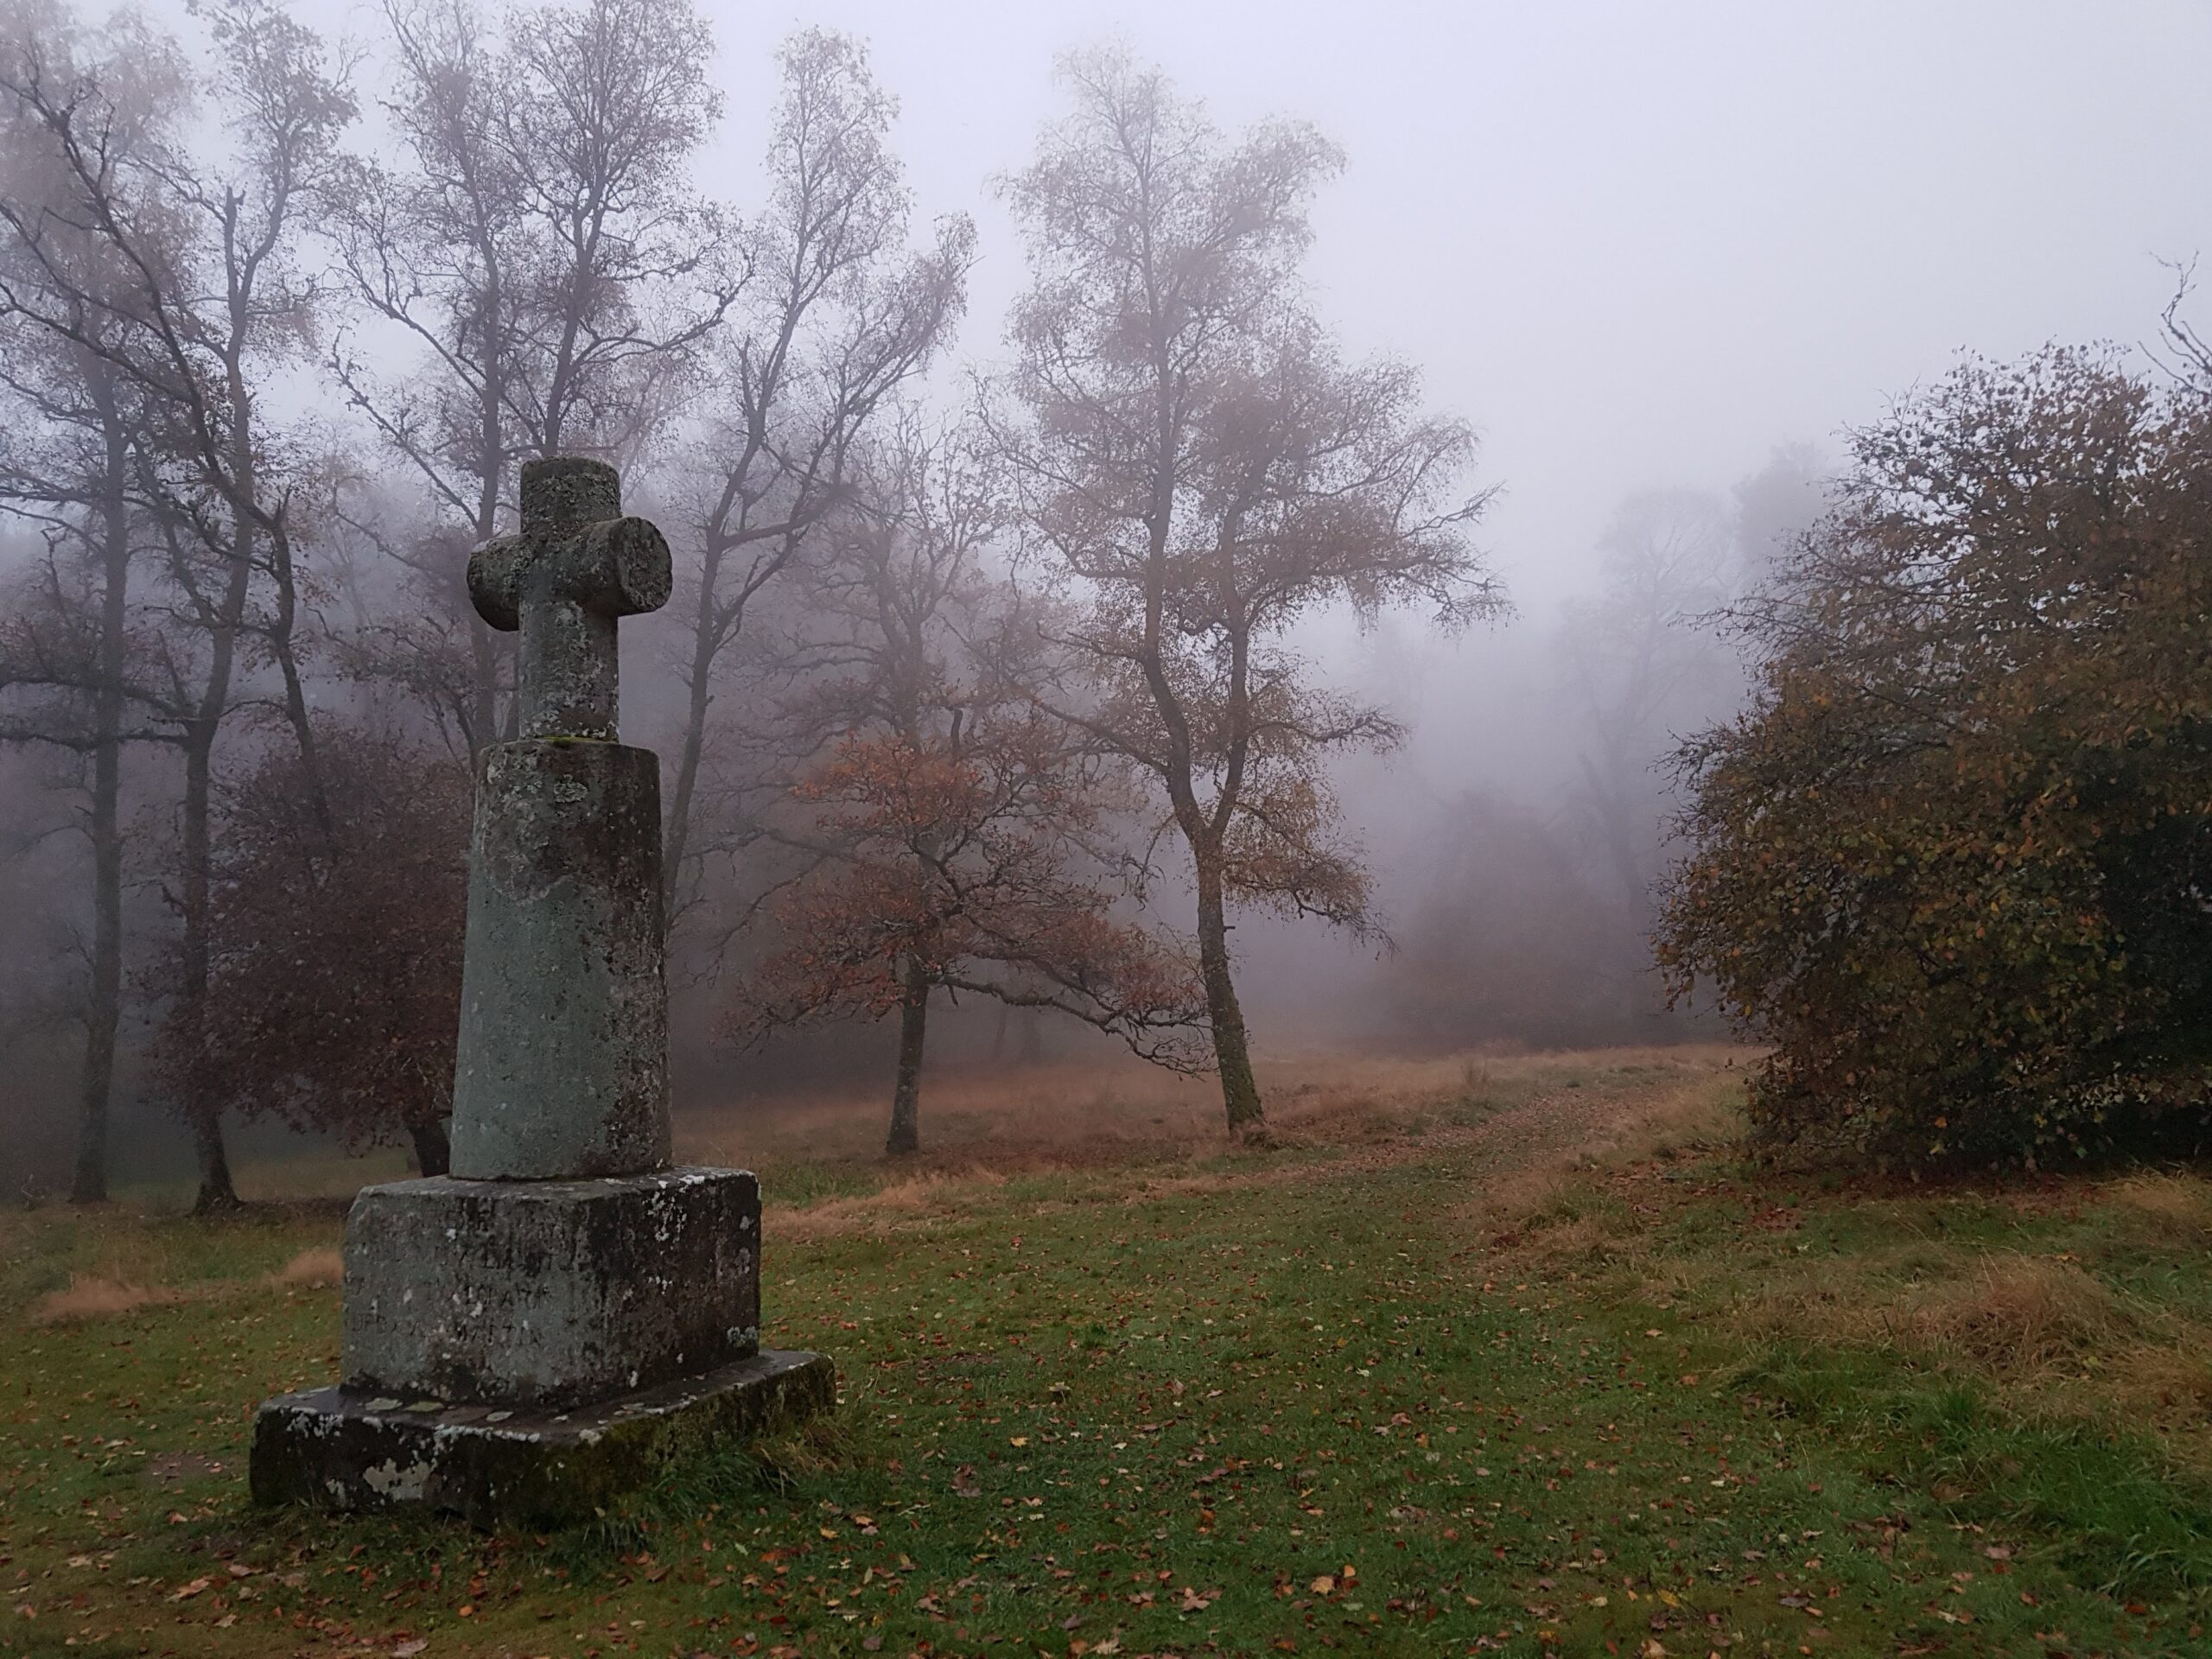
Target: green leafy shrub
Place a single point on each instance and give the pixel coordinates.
(1955, 860)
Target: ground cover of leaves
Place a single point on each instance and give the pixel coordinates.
(1526, 1365)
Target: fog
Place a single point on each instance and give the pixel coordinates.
(1638, 246)
(1660, 258)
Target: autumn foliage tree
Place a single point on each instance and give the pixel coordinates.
(1955, 862)
(1201, 473)
(952, 830)
(334, 980)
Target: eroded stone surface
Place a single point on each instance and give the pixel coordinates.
(562, 1068)
(550, 1293)
(576, 569)
(564, 1316)
(342, 1449)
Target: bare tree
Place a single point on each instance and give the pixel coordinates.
(1203, 473)
(841, 314)
(543, 255)
(198, 299)
(68, 468)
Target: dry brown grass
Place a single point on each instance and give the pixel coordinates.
(116, 1293)
(2167, 1382)
(89, 1296)
(312, 1268)
(919, 1198)
(2016, 1313)
(2013, 1315)
(1113, 1108)
(2166, 1208)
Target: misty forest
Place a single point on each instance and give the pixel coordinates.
(1402, 852)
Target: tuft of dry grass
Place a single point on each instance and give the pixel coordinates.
(89, 1296)
(2014, 1315)
(917, 1198)
(2018, 1314)
(2167, 1207)
(2167, 1382)
(314, 1267)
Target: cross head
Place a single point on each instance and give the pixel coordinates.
(577, 566)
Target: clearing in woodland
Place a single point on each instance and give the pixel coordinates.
(1508, 1355)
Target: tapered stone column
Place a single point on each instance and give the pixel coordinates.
(565, 1313)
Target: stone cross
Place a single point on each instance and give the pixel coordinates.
(563, 1316)
(577, 566)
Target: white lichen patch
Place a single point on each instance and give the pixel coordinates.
(395, 1482)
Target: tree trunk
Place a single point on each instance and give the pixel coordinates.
(704, 637)
(1240, 1093)
(202, 1112)
(285, 649)
(201, 1107)
(433, 1150)
(906, 1094)
(217, 1192)
(104, 1011)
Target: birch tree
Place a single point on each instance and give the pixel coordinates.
(1202, 472)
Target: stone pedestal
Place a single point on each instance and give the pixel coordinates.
(337, 1449)
(564, 1316)
(550, 1293)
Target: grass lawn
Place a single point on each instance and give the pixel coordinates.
(1514, 1357)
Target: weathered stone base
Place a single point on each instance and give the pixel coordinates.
(550, 1294)
(331, 1448)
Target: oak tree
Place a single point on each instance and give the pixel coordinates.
(959, 838)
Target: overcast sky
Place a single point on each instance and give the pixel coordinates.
(1637, 244)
